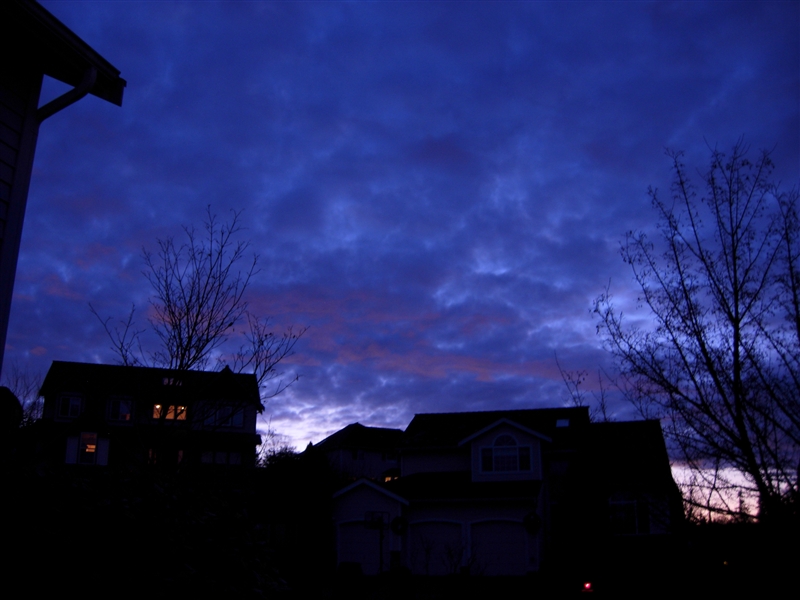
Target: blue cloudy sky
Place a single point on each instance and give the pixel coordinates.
(436, 189)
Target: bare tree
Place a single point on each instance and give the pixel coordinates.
(262, 352)
(198, 291)
(275, 447)
(719, 365)
(198, 300)
(597, 402)
(25, 385)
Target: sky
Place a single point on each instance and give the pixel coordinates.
(436, 190)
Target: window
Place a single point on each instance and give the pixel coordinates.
(224, 416)
(505, 456)
(87, 449)
(120, 409)
(164, 456)
(170, 412)
(228, 416)
(70, 407)
(629, 516)
(220, 457)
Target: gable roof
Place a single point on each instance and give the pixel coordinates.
(91, 378)
(360, 436)
(432, 430)
(496, 424)
(371, 485)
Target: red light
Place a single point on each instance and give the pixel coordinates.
(587, 587)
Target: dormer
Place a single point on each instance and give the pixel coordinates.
(505, 451)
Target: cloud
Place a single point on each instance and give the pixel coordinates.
(438, 190)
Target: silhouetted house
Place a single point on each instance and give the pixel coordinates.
(33, 43)
(509, 493)
(98, 415)
(358, 451)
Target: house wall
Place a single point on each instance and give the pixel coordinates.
(356, 463)
(439, 460)
(19, 97)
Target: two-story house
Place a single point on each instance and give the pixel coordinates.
(507, 493)
(98, 415)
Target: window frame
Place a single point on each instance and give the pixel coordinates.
(629, 516)
(506, 458)
(117, 414)
(70, 406)
(229, 416)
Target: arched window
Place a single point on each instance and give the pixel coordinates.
(505, 456)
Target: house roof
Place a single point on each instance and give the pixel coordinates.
(496, 424)
(627, 454)
(360, 436)
(41, 41)
(90, 378)
(367, 483)
(432, 430)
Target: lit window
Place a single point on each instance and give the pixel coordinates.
(87, 449)
(505, 456)
(170, 412)
(176, 413)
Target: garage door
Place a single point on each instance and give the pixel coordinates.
(500, 547)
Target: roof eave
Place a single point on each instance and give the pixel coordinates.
(65, 56)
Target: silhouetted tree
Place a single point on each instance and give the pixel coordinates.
(198, 300)
(597, 402)
(719, 361)
(25, 384)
